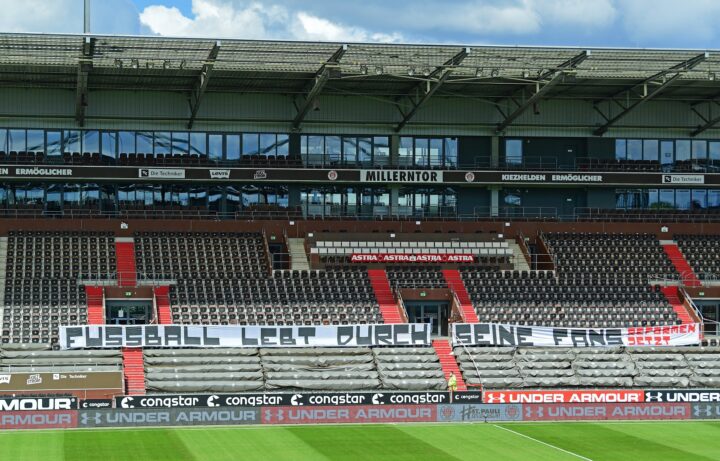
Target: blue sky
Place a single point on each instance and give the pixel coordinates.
(616, 23)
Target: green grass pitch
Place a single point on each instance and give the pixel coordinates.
(636, 441)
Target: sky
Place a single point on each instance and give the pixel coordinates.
(591, 23)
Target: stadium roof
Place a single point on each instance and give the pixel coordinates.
(197, 66)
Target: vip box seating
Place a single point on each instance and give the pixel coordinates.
(600, 280)
(304, 369)
(703, 254)
(43, 273)
(416, 277)
(506, 367)
(226, 278)
(49, 361)
(346, 248)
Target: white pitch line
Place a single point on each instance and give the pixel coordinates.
(543, 443)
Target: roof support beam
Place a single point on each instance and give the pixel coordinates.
(709, 123)
(321, 78)
(676, 69)
(555, 76)
(202, 83)
(443, 72)
(85, 63)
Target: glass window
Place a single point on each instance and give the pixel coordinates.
(699, 199)
(513, 152)
(682, 199)
(349, 150)
(634, 149)
(405, 152)
(713, 199)
(620, 149)
(699, 150)
(126, 142)
(3, 141)
(714, 151)
(381, 150)
(144, 142)
(364, 149)
(232, 147)
(315, 150)
(54, 143)
(89, 195)
(283, 145)
(268, 144)
(682, 150)
(71, 141)
(422, 152)
(650, 149)
(163, 142)
(667, 149)
(71, 196)
(215, 198)
(232, 199)
(653, 198)
(16, 140)
(250, 144)
(91, 142)
(215, 146)
(436, 152)
(53, 197)
(333, 149)
(109, 144)
(180, 143)
(35, 141)
(198, 197)
(451, 152)
(512, 197)
(197, 144)
(667, 198)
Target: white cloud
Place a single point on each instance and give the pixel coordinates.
(220, 18)
(575, 13)
(66, 16)
(308, 27)
(668, 21)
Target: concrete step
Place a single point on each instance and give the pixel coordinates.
(519, 260)
(298, 255)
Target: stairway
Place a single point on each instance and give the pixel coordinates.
(671, 293)
(134, 371)
(520, 263)
(95, 305)
(125, 256)
(455, 283)
(448, 362)
(683, 268)
(3, 264)
(298, 255)
(162, 302)
(383, 293)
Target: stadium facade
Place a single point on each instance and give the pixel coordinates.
(599, 124)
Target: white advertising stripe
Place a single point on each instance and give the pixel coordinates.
(492, 334)
(107, 336)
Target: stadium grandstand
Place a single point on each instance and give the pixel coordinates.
(178, 215)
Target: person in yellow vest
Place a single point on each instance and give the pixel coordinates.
(452, 384)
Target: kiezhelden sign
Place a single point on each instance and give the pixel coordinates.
(408, 334)
(492, 334)
(252, 400)
(11, 382)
